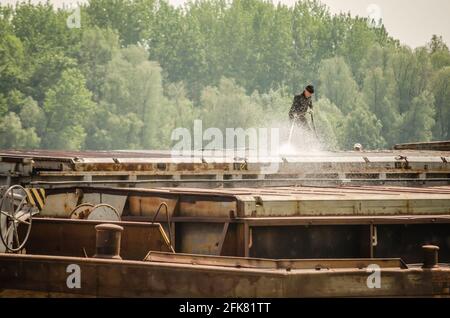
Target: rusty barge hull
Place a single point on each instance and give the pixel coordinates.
(241, 242)
(283, 222)
(38, 275)
(201, 169)
(57, 245)
(313, 230)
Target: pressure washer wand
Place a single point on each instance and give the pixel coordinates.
(314, 125)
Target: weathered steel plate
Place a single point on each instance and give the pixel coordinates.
(115, 278)
(68, 237)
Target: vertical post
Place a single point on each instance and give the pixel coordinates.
(430, 256)
(172, 235)
(222, 237)
(108, 239)
(175, 212)
(373, 239)
(240, 241)
(246, 240)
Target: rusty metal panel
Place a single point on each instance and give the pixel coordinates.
(405, 241)
(265, 263)
(423, 164)
(336, 220)
(382, 163)
(274, 202)
(19, 166)
(198, 238)
(326, 159)
(425, 159)
(431, 145)
(61, 204)
(116, 201)
(91, 167)
(107, 278)
(68, 237)
(319, 241)
(230, 245)
(147, 206)
(113, 278)
(195, 259)
(343, 203)
(205, 208)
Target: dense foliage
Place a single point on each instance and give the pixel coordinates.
(136, 70)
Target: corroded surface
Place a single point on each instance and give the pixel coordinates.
(160, 168)
(114, 278)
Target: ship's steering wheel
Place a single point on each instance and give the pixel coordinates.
(15, 212)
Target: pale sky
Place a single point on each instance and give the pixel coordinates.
(413, 22)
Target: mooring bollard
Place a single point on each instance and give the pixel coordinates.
(430, 256)
(108, 238)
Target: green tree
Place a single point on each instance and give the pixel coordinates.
(378, 56)
(232, 64)
(112, 131)
(437, 44)
(227, 106)
(439, 53)
(313, 39)
(32, 116)
(181, 109)
(67, 106)
(43, 28)
(358, 40)
(441, 91)
(419, 119)
(12, 61)
(362, 126)
(379, 94)
(131, 18)
(14, 100)
(411, 72)
(98, 48)
(134, 85)
(275, 105)
(13, 135)
(337, 84)
(47, 71)
(330, 124)
(3, 105)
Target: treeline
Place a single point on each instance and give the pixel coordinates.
(135, 70)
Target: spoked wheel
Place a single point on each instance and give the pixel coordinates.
(15, 212)
(104, 212)
(81, 211)
(88, 211)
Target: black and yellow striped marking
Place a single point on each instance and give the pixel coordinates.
(36, 197)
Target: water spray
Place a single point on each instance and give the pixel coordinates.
(290, 132)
